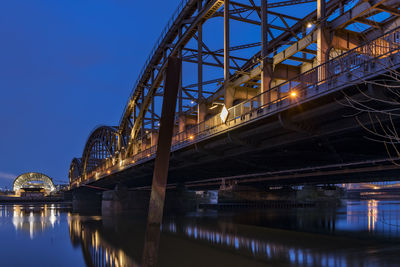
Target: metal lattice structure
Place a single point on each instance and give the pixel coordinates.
(100, 147)
(284, 54)
(33, 180)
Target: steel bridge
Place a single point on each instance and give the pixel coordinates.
(259, 96)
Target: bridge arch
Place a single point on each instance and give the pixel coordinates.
(101, 145)
(75, 169)
(33, 180)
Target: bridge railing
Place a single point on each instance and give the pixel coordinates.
(291, 92)
(309, 84)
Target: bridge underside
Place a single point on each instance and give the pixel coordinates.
(316, 142)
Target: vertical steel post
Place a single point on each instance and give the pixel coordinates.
(181, 121)
(161, 163)
(200, 110)
(199, 56)
(322, 42)
(144, 116)
(228, 91)
(180, 104)
(152, 103)
(266, 72)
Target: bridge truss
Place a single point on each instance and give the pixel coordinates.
(237, 56)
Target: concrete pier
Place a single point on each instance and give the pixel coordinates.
(86, 200)
(121, 200)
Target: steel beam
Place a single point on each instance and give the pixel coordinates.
(228, 91)
(200, 56)
(161, 163)
(266, 72)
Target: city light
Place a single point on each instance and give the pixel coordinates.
(293, 94)
(224, 114)
(191, 137)
(309, 25)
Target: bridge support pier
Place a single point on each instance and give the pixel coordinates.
(86, 200)
(120, 200)
(180, 200)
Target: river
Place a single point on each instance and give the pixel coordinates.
(359, 233)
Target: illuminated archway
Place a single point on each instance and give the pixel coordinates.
(33, 180)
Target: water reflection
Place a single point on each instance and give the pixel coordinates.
(361, 233)
(378, 218)
(97, 250)
(372, 214)
(119, 241)
(32, 219)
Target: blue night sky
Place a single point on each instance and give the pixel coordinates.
(66, 67)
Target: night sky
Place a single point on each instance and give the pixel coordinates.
(65, 68)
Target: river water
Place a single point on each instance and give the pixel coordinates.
(359, 233)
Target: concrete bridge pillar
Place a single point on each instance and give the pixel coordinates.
(121, 200)
(180, 200)
(86, 199)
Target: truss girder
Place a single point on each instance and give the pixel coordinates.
(101, 145)
(106, 142)
(75, 169)
(207, 11)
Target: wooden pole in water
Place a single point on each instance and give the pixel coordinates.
(161, 163)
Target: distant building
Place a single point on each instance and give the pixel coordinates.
(33, 185)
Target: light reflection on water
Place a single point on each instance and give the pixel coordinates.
(32, 219)
(255, 242)
(98, 251)
(380, 218)
(360, 233)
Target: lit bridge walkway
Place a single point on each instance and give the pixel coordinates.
(280, 116)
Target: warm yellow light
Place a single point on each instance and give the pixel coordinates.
(191, 137)
(108, 172)
(133, 161)
(293, 94)
(224, 114)
(148, 155)
(309, 25)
